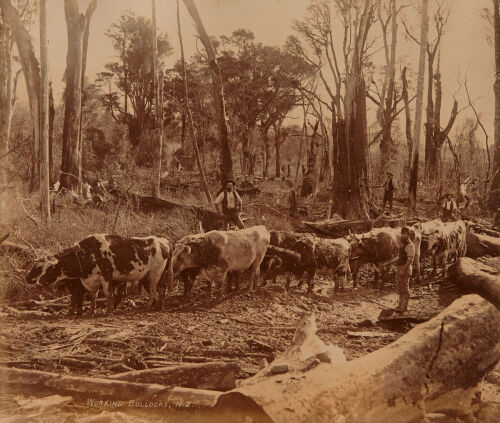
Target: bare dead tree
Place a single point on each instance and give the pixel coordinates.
(187, 112)
(158, 110)
(344, 65)
(44, 116)
(494, 196)
(71, 171)
(31, 71)
(424, 29)
(226, 168)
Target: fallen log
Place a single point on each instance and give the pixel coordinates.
(338, 229)
(33, 382)
(219, 376)
(210, 219)
(478, 278)
(436, 367)
(481, 245)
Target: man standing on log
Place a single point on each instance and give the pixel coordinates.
(389, 189)
(231, 203)
(404, 268)
(449, 208)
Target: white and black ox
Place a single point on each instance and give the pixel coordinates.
(213, 255)
(439, 240)
(379, 247)
(109, 261)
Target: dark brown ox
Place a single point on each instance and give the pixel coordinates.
(302, 244)
(334, 254)
(109, 261)
(217, 253)
(377, 247)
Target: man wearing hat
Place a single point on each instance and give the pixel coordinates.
(404, 267)
(389, 189)
(449, 208)
(230, 201)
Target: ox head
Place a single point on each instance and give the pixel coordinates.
(45, 271)
(271, 264)
(430, 243)
(194, 252)
(361, 245)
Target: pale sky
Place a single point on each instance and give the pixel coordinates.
(464, 47)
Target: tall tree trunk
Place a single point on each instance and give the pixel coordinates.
(187, 111)
(409, 138)
(429, 124)
(418, 108)
(4, 105)
(158, 111)
(351, 169)
(70, 166)
(52, 113)
(387, 147)
(218, 90)
(267, 151)
(86, 33)
(31, 70)
(494, 197)
(277, 146)
(44, 116)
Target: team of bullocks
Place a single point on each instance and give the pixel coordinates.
(225, 257)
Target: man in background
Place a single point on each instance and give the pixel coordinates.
(404, 268)
(230, 201)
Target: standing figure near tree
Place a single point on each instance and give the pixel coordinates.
(230, 202)
(389, 189)
(404, 268)
(448, 208)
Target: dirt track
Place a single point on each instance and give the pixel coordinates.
(221, 332)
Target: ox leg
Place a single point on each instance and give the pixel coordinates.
(288, 281)
(417, 268)
(254, 272)
(93, 298)
(310, 280)
(109, 297)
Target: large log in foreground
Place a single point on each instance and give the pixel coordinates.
(478, 278)
(34, 382)
(436, 367)
(219, 376)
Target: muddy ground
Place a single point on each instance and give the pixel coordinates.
(225, 331)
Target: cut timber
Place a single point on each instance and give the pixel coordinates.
(210, 219)
(481, 245)
(436, 367)
(341, 228)
(478, 278)
(218, 376)
(33, 382)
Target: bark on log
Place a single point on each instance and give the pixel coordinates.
(210, 219)
(218, 376)
(481, 245)
(478, 278)
(436, 367)
(341, 228)
(34, 382)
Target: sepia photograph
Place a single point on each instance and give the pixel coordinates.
(250, 211)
